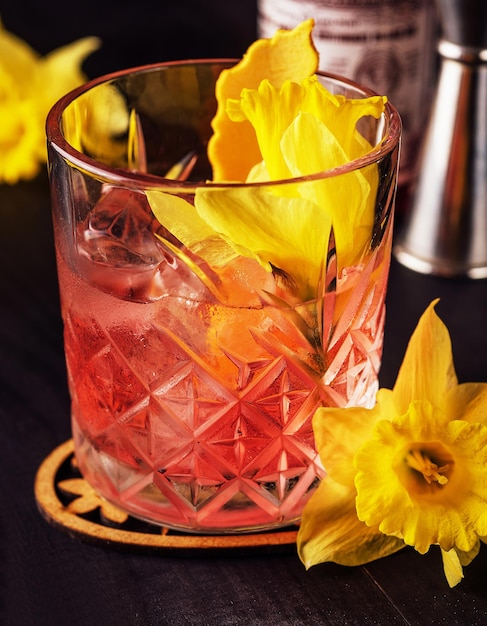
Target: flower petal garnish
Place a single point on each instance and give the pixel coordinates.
(286, 227)
(305, 114)
(181, 219)
(287, 101)
(352, 223)
(286, 233)
(288, 55)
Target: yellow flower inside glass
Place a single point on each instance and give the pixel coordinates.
(254, 297)
(410, 471)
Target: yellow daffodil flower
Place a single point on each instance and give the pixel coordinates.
(29, 86)
(410, 471)
(286, 227)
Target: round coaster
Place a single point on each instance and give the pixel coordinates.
(69, 503)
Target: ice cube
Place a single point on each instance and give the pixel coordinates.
(119, 231)
(120, 253)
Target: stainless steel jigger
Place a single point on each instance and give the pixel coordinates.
(445, 231)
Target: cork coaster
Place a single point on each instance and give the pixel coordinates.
(69, 503)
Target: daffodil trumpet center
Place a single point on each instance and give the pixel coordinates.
(425, 468)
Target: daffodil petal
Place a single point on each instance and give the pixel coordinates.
(60, 71)
(258, 173)
(427, 370)
(339, 115)
(290, 234)
(18, 60)
(468, 400)
(466, 558)
(254, 105)
(305, 114)
(374, 461)
(348, 198)
(181, 219)
(452, 567)
(97, 123)
(352, 110)
(289, 55)
(302, 129)
(339, 433)
(21, 135)
(386, 404)
(331, 531)
(29, 86)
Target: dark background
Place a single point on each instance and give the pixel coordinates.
(135, 32)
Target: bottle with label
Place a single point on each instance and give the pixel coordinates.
(386, 45)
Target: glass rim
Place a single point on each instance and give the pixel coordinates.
(143, 180)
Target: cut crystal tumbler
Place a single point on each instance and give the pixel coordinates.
(194, 370)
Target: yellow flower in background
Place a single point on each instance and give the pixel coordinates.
(29, 86)
(410, 471)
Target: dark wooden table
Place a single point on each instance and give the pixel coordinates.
(48, 578)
